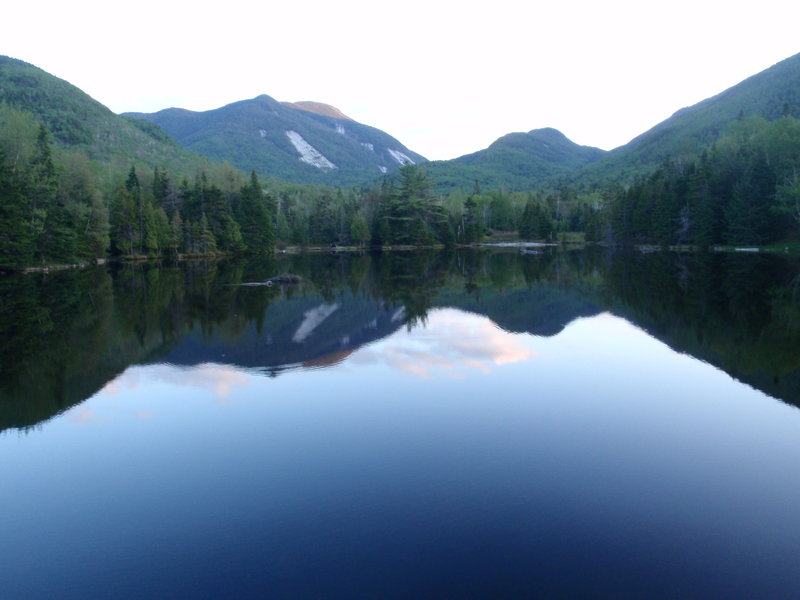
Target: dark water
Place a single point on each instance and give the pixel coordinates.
(409, 425)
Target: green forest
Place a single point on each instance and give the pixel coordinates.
(61, 207)
(744, 189)
(80, 184)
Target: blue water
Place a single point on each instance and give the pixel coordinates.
(451, 460)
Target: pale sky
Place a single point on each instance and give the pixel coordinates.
(445, 78)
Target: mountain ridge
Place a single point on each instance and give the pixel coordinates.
(770, 93)
(76, 120)
(296, 142)
(517, 160)
(313, 142)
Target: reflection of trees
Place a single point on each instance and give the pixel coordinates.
(51, 328)
(410, 279)
(734, 311)
(64, 335)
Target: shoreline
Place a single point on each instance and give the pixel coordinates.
(642, 248)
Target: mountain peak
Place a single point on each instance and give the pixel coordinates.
(548, 131)
(303, 142)
(319, 108)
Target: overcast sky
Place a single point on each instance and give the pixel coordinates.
(443, 77)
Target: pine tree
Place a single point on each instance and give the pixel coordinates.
(176, 233)
(56, 239)
(359, 230)
(134, 189)
(255, 221)
(16, 237)
(123, 220)
(470, 228)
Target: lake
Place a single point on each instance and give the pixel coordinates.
(464, 424)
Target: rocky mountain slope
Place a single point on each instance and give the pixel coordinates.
(305, 142)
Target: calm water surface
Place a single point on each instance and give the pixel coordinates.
(464, 425)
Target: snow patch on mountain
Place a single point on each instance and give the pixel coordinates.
(262, 133)
(309, 154)
(383, 169)
(368, 146)
(400, 157)
(312, 319)
(340, 128)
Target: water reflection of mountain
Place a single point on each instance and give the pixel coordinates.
(309, 331)
(314, 332)
(64, 336)
(543, 310)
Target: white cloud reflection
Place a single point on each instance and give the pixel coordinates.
(451, 344)
(217, 379)
(218, 382)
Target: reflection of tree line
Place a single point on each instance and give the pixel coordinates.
(64, 335)
(739, 313)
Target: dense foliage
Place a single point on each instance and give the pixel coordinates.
(56, 209)
(743, 189)
(517, 161)
(77, 121)
(78, 183)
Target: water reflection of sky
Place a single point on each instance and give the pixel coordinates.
(451, 460)
(450, 344)
(592, 359)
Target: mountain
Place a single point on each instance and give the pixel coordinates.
(304, 142)
(517, 161)
(308, 331)
(770, 94)
(76, 120)
(318, 108)
(546, 158)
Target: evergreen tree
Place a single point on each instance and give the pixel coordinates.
(175, 244)
(322, 221)
(135, 191)
(16, 236)
(226, 230)
(470, 227)
(123, 221)
(749, 218)
(256, 223)
(203, 240)
(56, 240)
(359, 230)
(41, 186)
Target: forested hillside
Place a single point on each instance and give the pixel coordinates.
(78, 183)
(56, 210)
(518, 161)
(76, 121)
(303, 143)
(771, 94)
(743, 189)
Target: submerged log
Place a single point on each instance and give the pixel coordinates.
(284, 279)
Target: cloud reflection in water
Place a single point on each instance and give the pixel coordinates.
(451, 343)
(220, 380)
